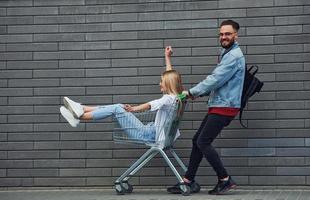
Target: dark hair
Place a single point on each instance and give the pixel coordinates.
(234, 24)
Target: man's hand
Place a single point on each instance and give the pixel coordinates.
(185, 92)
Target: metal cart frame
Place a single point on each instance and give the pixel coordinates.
(121, 184)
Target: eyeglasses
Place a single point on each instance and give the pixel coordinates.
(227, 34)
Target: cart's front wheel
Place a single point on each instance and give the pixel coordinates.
(119, 189)
(128, 188)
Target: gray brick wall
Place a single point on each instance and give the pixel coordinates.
(109, 51)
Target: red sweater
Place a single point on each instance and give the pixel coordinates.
(230, 112)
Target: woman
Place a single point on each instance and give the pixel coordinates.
(170, 86)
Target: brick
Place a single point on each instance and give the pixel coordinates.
(88, 64)
(125, 35)
(59, 181)
(58, 73)
(292, 171)
(275, 49)
(33, 82)
(190, 24)
(32, 65)
(32, 118)
(291, 123)
(16, 56)
(33, 136)
(49, 127)
(136, 81)
(86, 136)
(197, 5)
(22, 20)
(66, 37)
(90, 172)
(279, 142)
(50, 145)
(289, 3)
(302, 57)
(157, 16)
(58, 2)
(292, 132)
(33, 101)
(110, 72)
(119, 17)
(95, 181)
(292, 151)
(59, 163)
(32, 172)
(137, 26)
(85, 27)
(279, 180)
(143, 7)
(64, 19)
(32, 154)
(244, 3)
(85, 81)
(107, 54)
(16, 74)
(15, 182)
(16, 164)
(276, 11)
(291, 20)
(3, 137)
(58, 55)
(15, 91)
(112, 90)
(84, 45)
(248, 152)
(59, 91)
(295, 95)
(98, 9)
(14, 4)
(86, 154)
(276, 161)
(33, 11)
(32, 47)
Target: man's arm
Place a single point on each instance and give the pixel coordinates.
(168, 53)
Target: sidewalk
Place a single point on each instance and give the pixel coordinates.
(151, 194)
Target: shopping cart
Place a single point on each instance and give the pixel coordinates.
(169, 126)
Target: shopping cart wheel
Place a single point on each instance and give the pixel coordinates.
(120, 190)
(128, 188)
(186, 191)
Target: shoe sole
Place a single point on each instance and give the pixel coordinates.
(227, 189)
(64, 114)
(68, 106)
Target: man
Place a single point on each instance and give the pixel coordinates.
(224, 87)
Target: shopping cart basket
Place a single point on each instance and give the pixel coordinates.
(169, 126)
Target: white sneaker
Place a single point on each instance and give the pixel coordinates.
(75, 108)
(69, 117)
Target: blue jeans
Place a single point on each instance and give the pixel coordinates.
(132, 126)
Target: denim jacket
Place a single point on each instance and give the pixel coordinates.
(224, 85)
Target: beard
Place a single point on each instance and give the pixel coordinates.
(226, 44)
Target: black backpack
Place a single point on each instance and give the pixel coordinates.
(251, 85)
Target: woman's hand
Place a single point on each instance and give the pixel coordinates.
(129, 108)
(168, 51)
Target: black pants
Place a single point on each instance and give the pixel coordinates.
(209, 129)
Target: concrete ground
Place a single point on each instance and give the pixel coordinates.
(150, 194)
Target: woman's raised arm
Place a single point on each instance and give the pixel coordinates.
(168, 53)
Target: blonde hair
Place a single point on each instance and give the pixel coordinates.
(172, 82)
